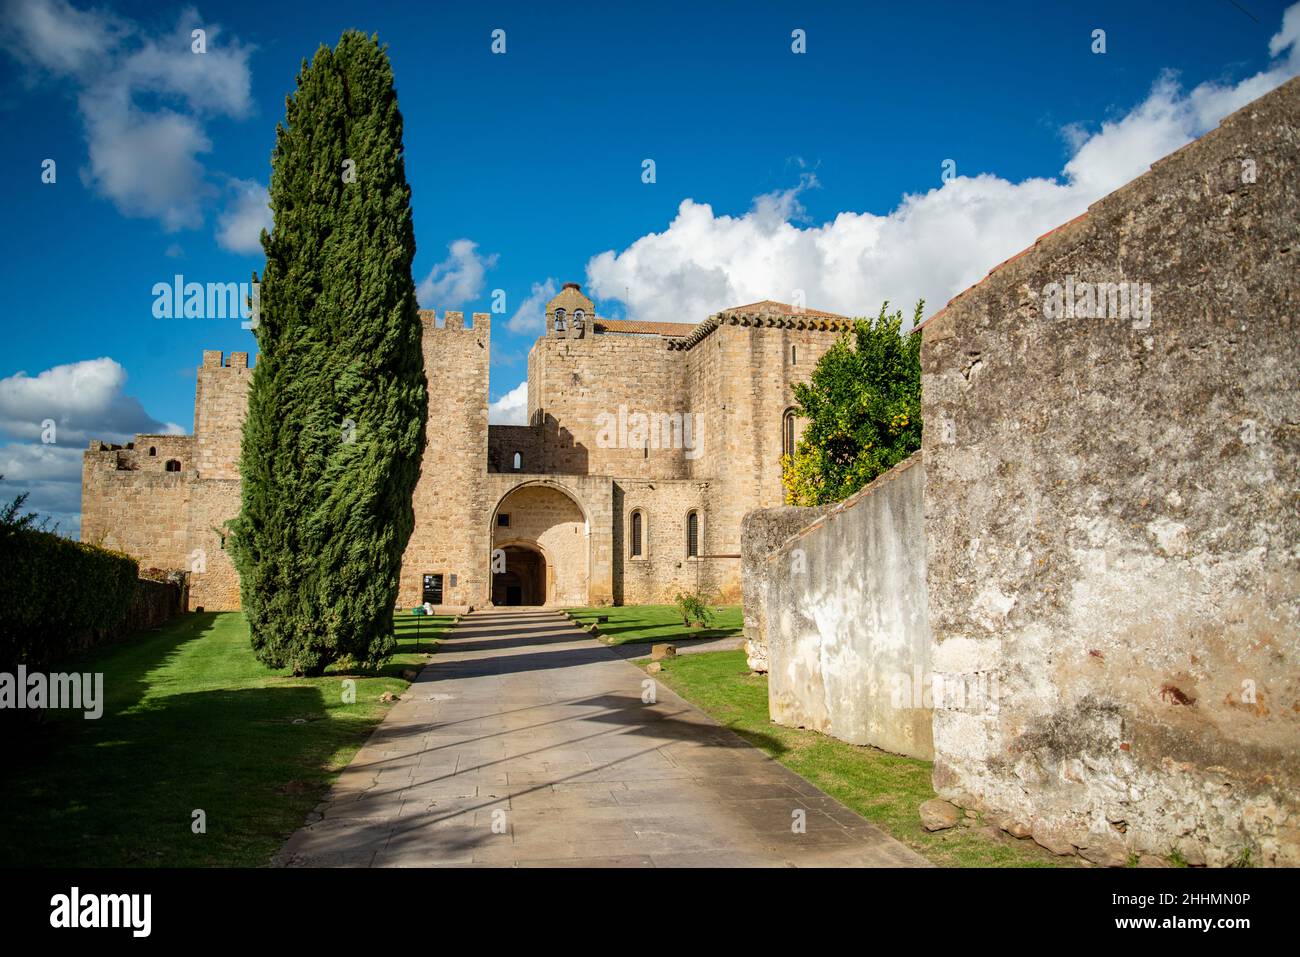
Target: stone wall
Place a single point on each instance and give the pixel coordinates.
(551, 519)
(506, 440)
(214, 583)
(763, 531)
(848, 639)
(593, 497)
(664, 568)
(742, 379)
(574, 382)
(452, 510)
(220, 405)
(142, 512)
(154, 604)
(1111, 516)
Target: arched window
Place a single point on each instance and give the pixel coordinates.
(518, 462)
(172, 465)
(579, 317)
(789, 432)
(636, 539)
(559, 320)
(692, 534)
(153, 450)
(794, 355)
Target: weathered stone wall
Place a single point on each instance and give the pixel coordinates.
(848, 636)
(220, 405)
(664, 568)
(573, 382)
(593, 496)
(763, 531)
(153, 605)
(1112, 521)
(505, 440)
(214, 583)
(452, 510)
(142, 512)
(547, 517)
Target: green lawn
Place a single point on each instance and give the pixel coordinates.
(884, 788)
(191, 721)
(653, 623)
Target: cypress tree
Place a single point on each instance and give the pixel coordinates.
(337, 404)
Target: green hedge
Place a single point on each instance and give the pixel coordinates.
(57, 596)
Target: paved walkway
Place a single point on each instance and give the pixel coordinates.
(526, 742)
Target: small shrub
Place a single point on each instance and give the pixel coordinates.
(694, 607)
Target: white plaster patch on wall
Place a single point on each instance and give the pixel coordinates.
(992, 606)
(1170, 537)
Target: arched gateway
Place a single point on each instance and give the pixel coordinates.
(540, 547)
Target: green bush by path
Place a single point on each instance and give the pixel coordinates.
(192, 721)
(653, 623)
(54, 593)
(887, 789)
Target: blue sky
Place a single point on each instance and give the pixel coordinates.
(776, 173)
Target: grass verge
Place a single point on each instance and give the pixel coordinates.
(632, 624)
(191, 722)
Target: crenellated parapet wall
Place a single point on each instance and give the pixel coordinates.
(220, 405)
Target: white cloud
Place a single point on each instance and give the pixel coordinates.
(144, 155)
(456, 280)
(51, 477)
(58, 37)
(932, 245)
(531, 314)
(511, 408)
(85, 400)
(240, 227)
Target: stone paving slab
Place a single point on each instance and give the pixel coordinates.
(526, 743)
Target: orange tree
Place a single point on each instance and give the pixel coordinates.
(861, 408)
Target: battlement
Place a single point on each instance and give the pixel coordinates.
(215, 359)
(454, 320)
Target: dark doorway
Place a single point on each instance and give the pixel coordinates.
(523, 582)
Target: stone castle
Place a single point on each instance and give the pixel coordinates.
(646, 445)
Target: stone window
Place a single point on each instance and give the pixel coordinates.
(152, 450)
(794, 355)
(172, 465)
(503, 519)
(789, 432)
(518, 462)
(636, 537)
(692, 534)
(579, 317)
(559, 320)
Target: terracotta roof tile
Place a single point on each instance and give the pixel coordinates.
(632, 326)
(783, 309)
